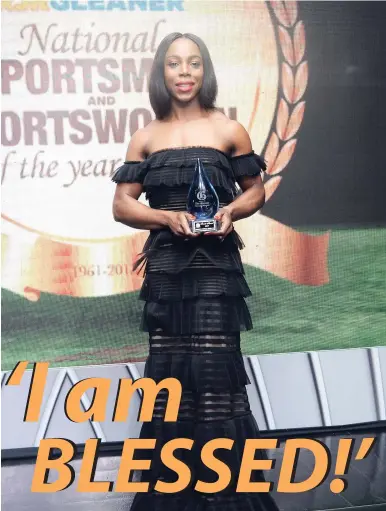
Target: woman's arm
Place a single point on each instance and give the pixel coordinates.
(126, 208)
(253, 196)
(251, 200)
(129, 211)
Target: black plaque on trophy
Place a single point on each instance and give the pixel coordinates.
(202, 202)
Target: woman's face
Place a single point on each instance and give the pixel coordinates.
(184, 70)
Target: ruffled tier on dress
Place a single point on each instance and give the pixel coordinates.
(194, 292)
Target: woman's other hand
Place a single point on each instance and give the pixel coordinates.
(178, 222)
(225, 218)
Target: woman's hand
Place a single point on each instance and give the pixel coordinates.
(225, 218)
(179, 225)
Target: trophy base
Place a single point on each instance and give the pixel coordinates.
(200, 226)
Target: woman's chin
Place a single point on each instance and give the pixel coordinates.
(184, 99)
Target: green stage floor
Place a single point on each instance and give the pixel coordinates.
(348, 312)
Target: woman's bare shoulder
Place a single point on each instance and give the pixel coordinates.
(218, 116)
(238, 138)
(139, 142)
(233, 132)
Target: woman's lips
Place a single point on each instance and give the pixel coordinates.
(184, 87)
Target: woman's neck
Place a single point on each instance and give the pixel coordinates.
(188, 112)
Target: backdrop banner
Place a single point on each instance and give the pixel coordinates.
(75, 78)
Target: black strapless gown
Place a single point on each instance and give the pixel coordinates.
(194, 293)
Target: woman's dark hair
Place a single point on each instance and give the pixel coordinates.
(160, 98)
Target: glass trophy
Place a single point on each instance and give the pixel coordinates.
(202, 202)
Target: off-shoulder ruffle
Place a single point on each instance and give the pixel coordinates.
(250, 164)
(130, 172)
(187, 157)
(179, 158)
(175, 167)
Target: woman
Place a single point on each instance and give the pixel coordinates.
(194, 287)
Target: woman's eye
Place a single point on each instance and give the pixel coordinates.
(173, 64)
(196, 64)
